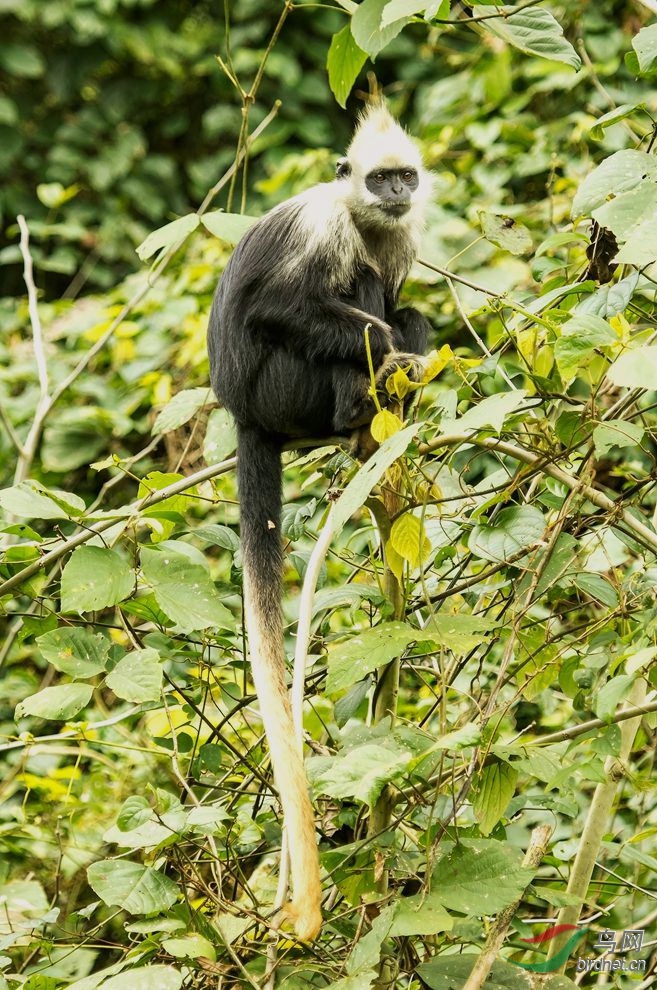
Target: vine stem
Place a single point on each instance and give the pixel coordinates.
(597, 822)
(387, 688)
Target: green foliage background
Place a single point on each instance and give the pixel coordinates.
(139, 829)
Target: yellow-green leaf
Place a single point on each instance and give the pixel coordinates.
(408, 538)
(385, 424)
(437, 361)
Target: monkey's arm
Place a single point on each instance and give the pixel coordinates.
(410, 330)
(326, 329)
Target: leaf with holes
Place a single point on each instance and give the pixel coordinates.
(76, 652)
(137, 676)
(95, 578)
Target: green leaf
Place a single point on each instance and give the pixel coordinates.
(74, 437)
(513, 529)
(344, 62)
(613, 117)
(645, 46)
(137, 676)
(95, 578)
(60, 703)
(181, 408)
(31, 500)
(131, 886)
(76, 652)
(230, 227)
(609, 696)
(25, 61)
(360, 772)
(506, 233)
(220, 436)
(616, 433)
(490, 412)
(451, 972)
(631, 217)
(534, 31)
(168, 235)
(597, 587)
(580, 337)
(459, 632)
(495, 788)
(184, 591)
(189, 947)
(622, 171)
(145, 978)
(366, 27)
(479, 877)
(422, 914)
(409, 539)
(396, 9)
(215, 535)
(135, 811)
(635, 369)
(353, 659)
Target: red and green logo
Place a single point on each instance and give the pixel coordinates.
(550, 965)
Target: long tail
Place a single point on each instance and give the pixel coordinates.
(259, 477)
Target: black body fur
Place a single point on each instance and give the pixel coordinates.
(288, 359)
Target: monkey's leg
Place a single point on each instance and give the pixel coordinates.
(353, 406)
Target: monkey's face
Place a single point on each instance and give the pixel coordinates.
(393, 189)
(383, 197)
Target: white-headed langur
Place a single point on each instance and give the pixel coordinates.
(288, 358)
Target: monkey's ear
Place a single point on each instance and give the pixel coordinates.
(342, 169)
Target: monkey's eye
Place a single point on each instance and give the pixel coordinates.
(408, 175)
(379, 178)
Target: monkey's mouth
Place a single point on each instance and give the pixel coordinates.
(395, 209)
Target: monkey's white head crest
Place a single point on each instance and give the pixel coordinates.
(381, 142)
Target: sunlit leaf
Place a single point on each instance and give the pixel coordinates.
(137, 676)
(181, 408)
(60, 703)
(168, 235)
(230, 227)
(344, 62)
(362, 653)
(75, 651)
(94, 578)
(494, 790)
(184, 591)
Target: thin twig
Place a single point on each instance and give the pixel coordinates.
(29, 448)
(574, 731)
(643, 534)
(459, 278)
(475, 335)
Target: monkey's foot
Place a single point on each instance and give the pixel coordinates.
(412, 364)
